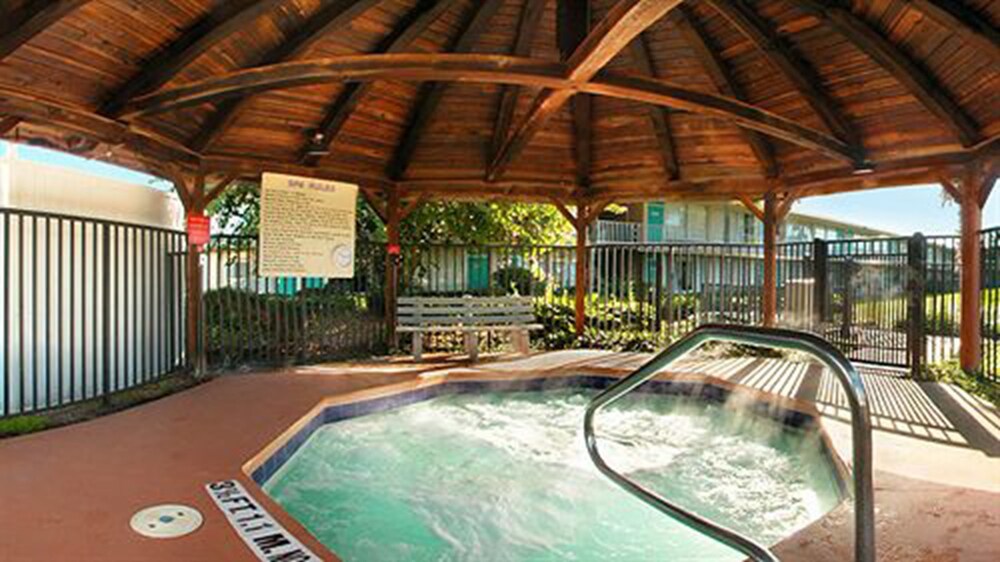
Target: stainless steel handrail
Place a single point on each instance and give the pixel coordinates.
(864, 495)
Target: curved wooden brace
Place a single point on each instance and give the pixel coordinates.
(497, 69)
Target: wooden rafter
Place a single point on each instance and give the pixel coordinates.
(417, 20)
(531, 20)
(781, 56)
(659, 116)
(334, 15)
(572, 26)
(717, 69)
(489, 69)
(34, 17)
(194, 41)
(412, 205)
(956, 16)
(430, 95)
(905, 69)
(625, 20)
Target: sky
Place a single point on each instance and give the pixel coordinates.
(900, 210)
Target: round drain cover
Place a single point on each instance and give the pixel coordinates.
(166, 521)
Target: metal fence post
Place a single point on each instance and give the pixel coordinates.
(819, 264)
(106, 310)
(916, 288)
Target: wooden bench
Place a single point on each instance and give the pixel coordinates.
(466, 315)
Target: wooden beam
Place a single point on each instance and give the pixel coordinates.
(430, 95)
(572, 27)
(31, 19)
(751, 206)
(531, 20)
(202, 35)
(220, 187)
(412, 206)
(951, 189)
(334, 15)
(955, 16)
(488, 69)
(416, 21)
(8, 123)
(33, 108)
(781, 56)
(623, 22)
(564, 211)
(910, 73)
(659, 116)
(377, 206)
(697, 38)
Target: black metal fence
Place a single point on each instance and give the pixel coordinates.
(89, 307)
(253, 320)
(991, 303)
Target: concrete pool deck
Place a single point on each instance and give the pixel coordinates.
(68, 493)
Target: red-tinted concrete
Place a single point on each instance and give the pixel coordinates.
(68, 494)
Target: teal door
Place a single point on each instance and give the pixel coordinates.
(655, 232)
(478, 271)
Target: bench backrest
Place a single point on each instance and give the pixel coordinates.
(465, 311)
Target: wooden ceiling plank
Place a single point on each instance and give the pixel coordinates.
(416, 21)
(430, 95)
(781, 56)
(531, 20)
(31, 19)
(334, 15)
(901, 66)
(623, 22)
(194, 41)
(697, 38)
(659, 116)
(956, 16)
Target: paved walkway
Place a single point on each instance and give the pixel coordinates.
(67, 494)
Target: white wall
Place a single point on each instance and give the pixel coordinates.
(26, 184)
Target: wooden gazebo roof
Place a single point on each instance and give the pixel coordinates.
(526, 99)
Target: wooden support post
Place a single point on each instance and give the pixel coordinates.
(393, 256)
(580, 304)
(192, 197)
(769, 300)
(970, 352)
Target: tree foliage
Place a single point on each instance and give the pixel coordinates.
(237, 211)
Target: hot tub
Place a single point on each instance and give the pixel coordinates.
(497, 470)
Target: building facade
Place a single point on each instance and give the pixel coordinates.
(720, 222)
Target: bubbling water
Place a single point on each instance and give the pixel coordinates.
(505, 476)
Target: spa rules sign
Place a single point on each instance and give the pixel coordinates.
(306, 227)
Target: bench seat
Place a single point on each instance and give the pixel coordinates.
(467, 315)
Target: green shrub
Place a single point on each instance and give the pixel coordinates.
(515, 279)
(950, 371)
(19, 425)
